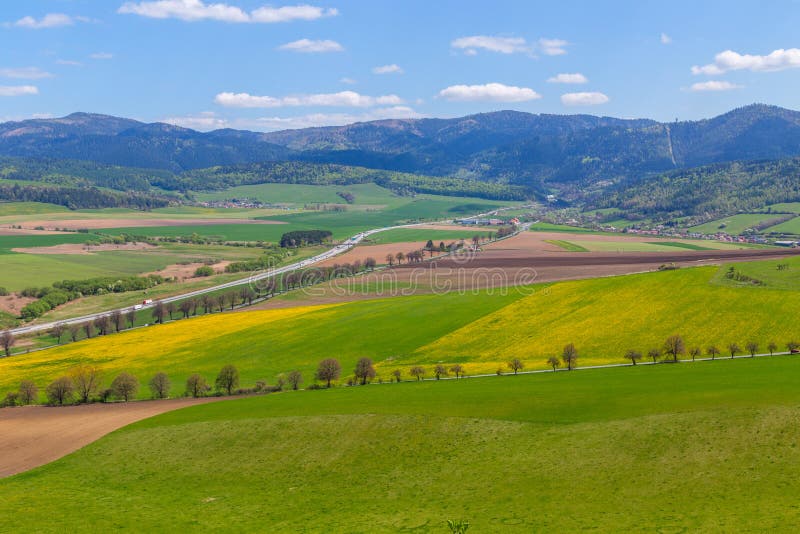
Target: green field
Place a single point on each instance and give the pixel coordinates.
(603, 317)
(549, 227)
(735, 224)
(766, 272)
(789, 227)
(710, 446)
(29, 208)
(566, 245)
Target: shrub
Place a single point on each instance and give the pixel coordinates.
(3, 292)
(60, 391)
(125, 386)
(205, 270)
(196, 386)
(28, 392)
(11, 398)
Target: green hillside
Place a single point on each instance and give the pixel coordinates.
(695, 447)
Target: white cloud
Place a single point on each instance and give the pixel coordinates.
(340, 99)
(50, 20)
(388, 69)
(18, 90)
(583, 99)
(308, 46)
(492, 92)
(729, 60)
(194, 10)
(714, 85)
(210, 121)
(101, 55)
(69, 62)
(25, 73)
(553, 47)
(348, 81)
(503, 45)
(576, 77)
(665, 39)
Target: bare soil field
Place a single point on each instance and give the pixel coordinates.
(31, 436)
(80, 248)
(187, 270)
(13, 304)
(98, 223)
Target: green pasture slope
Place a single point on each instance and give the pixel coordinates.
(299, 194)
(710, 446)
(405, 235)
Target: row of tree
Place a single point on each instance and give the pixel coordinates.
(674, 347)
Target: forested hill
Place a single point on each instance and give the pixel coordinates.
(707, 191)
(534, 151)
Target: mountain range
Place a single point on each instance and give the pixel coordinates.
(538, 151)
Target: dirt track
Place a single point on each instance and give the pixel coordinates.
(35, 435)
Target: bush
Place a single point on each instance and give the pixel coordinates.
(205, 270)
(315, 386)
(3, 292)
(60, 391)
(11, 398)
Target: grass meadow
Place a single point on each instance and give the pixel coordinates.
(710, 446)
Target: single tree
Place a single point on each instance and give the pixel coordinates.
(476, 239)
(74, 331)
(397, 375)
(159, 312)
(7, 341)
(58, 331)
(439, 371)
(159, 386)
(364, 370)
(85, 381)
(370, 263)
(60, 391)
(196, 386)
(694, 352)
(674, 346)
(328, 370)
(124, 386)
(633, 355)
(772, 347)
(516, 365)
(569, 356)
(554, 362)
(280, 381)
(654, 353)
(103, 324)
(118, 320)
(185, 307)
(294, 378)
(712, 351)
(417, 372)
(457, 370)
(399, 257)
(205, 300)
(28, 392)
(734, 349)
(752, 348)
(130, 316)
(390, 259)
(170, 308)
(442, 247)
(793, 346)
(227, 379)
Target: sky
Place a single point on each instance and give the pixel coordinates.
(268, 66)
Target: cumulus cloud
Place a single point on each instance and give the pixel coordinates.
(307, 46)
(18, 90)
(388, 69)
(553, 47)
(491, 92)
(101, 55)
(665, 39)
(50, 20)
(340, 99)
(729, 60)
(713, 85)
(194, 10)
(503, 45)
(576, 77)
(209, 121)
(25, 73)
(583, 99)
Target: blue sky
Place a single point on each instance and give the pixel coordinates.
(266, 66)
